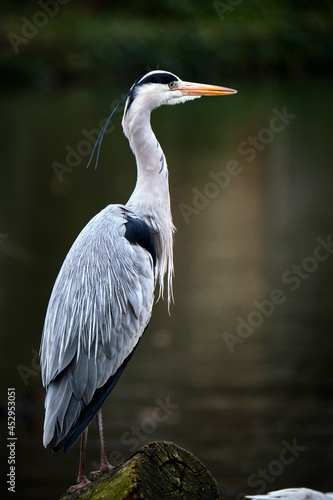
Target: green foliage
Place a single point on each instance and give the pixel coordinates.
(111, 41)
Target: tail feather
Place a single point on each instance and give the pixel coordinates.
(67, 418)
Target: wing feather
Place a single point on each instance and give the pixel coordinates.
(91, 385)
(99, 307)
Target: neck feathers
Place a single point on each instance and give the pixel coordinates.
(150, 199)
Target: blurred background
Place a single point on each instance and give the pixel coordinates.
(244, 363)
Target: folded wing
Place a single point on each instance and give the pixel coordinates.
(98, 310)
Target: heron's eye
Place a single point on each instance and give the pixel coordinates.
(171, 85)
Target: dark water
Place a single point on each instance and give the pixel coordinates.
(241, 372)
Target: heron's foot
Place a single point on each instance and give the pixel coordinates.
(81, 482)
(105, 467)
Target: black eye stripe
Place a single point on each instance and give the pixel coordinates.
(161, 77)
(154, 77)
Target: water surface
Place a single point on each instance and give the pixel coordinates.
(253, 402)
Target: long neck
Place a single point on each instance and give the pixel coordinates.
(150, 199)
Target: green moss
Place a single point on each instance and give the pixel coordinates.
(121, 486)
(116, 485)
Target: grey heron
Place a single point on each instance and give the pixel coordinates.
(103, 296)
(293, 494)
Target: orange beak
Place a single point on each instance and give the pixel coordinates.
(201, 89)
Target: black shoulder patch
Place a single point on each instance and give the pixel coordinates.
(138, 233)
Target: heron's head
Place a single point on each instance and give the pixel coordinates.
(152, 90)
(161, 87)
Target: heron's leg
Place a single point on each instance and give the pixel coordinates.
(81, 478)
(105, 465)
